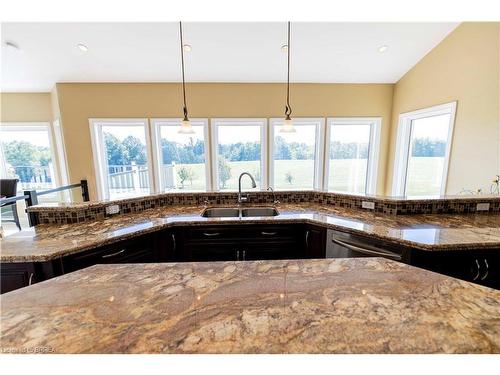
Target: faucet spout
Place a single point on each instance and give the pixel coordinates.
(244, 198)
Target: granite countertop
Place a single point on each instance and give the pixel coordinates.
(357, 305)
(425, 232)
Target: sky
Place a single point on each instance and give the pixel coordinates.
(36, 137)
(435, 127)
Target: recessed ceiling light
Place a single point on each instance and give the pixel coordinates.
(12, 45)
(187, 47)
(284, 48)
(82, 47)
(383, 48)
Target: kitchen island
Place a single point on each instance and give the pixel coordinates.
(357, 305)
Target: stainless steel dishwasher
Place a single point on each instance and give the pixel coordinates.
(345, 245)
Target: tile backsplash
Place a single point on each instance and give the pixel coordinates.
(88, 211)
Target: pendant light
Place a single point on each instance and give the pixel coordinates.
(186, 127)
(288, 124)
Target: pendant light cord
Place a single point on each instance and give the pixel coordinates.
(183, 79)
(288, 109)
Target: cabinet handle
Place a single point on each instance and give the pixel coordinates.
(237, 255)
(307, 239)
(379, 252)
(487, 270)
(244, 254)
(173, 242)
(30, 281)
(211, 234)
(268, 233)
(114, 254)
(478, 271)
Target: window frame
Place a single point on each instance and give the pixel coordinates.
(214, 125)
(156, 124)
(59, 168)
(98, 151)
(402, 157)
(319, 123)
(373, 150)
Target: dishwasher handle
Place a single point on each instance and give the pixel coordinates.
(385, 254)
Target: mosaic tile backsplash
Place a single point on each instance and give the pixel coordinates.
(88, 211)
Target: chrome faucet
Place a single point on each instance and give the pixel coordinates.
(244, 197)
(275, 201)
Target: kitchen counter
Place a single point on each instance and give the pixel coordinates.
(433, 232)
(357, 305)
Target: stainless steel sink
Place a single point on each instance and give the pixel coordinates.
(221, 212)
(239, 212)
(259, 211)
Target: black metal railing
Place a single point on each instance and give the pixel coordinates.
(31, 198)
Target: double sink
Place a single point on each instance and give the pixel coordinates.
(239, 212)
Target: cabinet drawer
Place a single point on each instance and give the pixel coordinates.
(210, 233)
(241, 232)
(132, 251)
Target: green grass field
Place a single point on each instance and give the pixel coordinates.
(346, 175)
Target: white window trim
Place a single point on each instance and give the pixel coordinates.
(24, 126)
(99, 151)
(403, 144)
(262, 122)
(156, 124)
(319, 123)
(373, 152)
(61, 151)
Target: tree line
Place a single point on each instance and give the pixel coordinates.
(131, 149)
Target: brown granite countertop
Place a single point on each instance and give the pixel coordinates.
(425, 232)
(357, 305)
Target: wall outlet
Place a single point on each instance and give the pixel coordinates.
(368, 205)
(483, 207)
(112, 209)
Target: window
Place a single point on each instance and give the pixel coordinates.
(239, 146)
(28, 154)
(423, 149)
(352, 155)
(121, 150)
(181, 158)
(296, 162)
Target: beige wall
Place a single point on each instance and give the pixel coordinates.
(20, 107)
(464, 67)
(79, 102)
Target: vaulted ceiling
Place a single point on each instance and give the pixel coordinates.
(221, 52)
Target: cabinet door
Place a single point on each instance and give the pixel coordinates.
(315, 242)
(270, 251)
(212, 253)
(17, 275)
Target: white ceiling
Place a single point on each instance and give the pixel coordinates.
(222, 52)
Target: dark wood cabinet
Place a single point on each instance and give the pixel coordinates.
(240, 242)
(315, 242)
(182, 244)
(477, 266)
(17, 275)
(144, 249)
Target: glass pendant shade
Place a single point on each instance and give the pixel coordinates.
(186, 127)
(288, 126)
